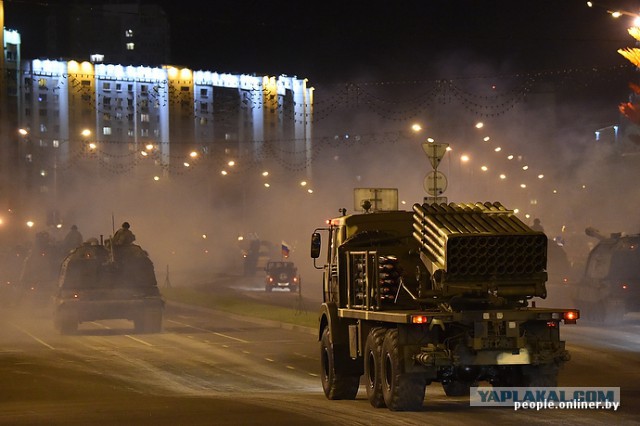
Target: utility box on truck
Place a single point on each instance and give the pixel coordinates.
(439, 294)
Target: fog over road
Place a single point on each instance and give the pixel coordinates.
(211, 368)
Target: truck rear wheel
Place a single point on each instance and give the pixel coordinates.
(401, 391)
(67, 321)
(457, 388)
(149, 322)
(373, 366)
(335, 385)
(540, 375)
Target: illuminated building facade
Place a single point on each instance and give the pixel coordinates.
(166, 113)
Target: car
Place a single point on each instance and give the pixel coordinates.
(283, 275)
(98, 283)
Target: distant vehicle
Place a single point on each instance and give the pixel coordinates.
(96, 283)
(282, 275)
(610, 286)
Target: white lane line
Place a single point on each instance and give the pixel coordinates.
(138, 340)
(34, 337)
(290, 367)
(269, 359)
(125, 335)
(209, 331)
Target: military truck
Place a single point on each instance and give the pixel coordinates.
(100, 282)
(610, 286)
(282, 275)
(441, 294)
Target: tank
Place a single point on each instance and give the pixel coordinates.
(610, 286)
(97, 283)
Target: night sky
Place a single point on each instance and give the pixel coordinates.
(382, 40)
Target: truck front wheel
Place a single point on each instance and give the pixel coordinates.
(401, 391)
(373, 366)
(335, 385)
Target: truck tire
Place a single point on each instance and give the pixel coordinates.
(335, 386)
(540, 375)
(457, 388)
(401, 391)
(149, 322)
(67, 322)
(373, 366)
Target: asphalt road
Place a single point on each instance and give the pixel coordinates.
(214, 369)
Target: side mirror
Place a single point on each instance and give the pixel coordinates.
(316, 243)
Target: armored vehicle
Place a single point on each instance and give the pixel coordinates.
(98, 282)
(441, 294)
(610, 286)
(282, 275)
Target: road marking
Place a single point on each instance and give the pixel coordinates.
(34, 337)
(125, 335)
(313, 374)
(269, 359)
(209, 331)
(290, 367)
(138, 340)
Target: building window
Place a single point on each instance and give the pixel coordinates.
(43, 128)
(130, 133)
(43, 112)
(106, 86)
(129, 87)
(184, 88)
(204, 93)
(106, 101)
(118, 87)
(130, 46)
(106, 131)
(86, 82)
(106, 116)
(42, 98)
(118, 116)
(128, 33)
(144, 132)
(55, 143)
(204, 107)
(144, 118)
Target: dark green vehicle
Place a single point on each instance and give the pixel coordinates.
(282, 275)
(445, 294)
(610, 286)
(96, 283)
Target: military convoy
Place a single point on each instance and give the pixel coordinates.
(610, 286)
(441, 294)
(100, 282)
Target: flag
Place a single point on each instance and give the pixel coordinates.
(285, 249)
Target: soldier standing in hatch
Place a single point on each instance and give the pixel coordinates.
(537, 226)
(123, 236)
(72, 240)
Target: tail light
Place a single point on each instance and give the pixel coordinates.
(570, 317)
